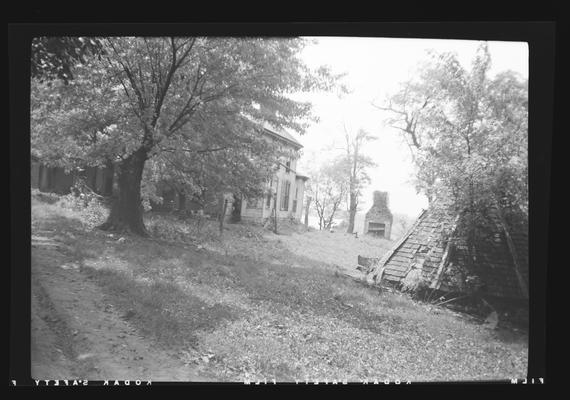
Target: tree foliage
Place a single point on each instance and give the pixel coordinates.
(55, 57)
(328, 188)
(185, 108)
(355, 165)
(468, 135)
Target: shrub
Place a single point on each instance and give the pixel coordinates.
(167, 228)
(89, 206)
(175, 227)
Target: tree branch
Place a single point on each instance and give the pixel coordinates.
(161, 92)
(187, 109)
(132, 81)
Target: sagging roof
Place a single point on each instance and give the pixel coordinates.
(282, 134)
(501, 263)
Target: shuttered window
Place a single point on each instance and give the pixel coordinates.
(295, 199)
(285, 196)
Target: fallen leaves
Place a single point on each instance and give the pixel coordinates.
(84, 356)
(288, 320)
(71, 266)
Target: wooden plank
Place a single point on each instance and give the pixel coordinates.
(436, 283)
(394, 264)
(403, 258)
(393, 267)
(396, 269)
(393, 278)
(390, 252)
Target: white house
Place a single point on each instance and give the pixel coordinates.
(283, 197)
(284, 192)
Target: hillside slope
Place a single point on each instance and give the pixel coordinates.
(245, 307)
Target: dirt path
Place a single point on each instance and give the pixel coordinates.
(76, 332)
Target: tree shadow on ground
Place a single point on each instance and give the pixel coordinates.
(158, 308)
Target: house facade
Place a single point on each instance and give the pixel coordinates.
(284, 192)
(283, 198)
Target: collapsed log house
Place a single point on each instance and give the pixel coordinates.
(433, 250)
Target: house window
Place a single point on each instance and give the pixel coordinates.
(288, 166)
(285, 196)
(295, 199)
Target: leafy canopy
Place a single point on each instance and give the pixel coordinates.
(193, 105)
(468, 134)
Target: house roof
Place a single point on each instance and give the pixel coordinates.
(282, 134)
(432, 245)
(278, 133)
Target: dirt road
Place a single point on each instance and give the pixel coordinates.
(76, 332)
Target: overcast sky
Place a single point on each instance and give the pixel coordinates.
(374, 67)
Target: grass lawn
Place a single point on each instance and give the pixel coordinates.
(338, 249)
(255, 305)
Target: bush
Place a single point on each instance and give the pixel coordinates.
(90, 206)
(167, 228)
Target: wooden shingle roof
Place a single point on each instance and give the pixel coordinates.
(432, 245)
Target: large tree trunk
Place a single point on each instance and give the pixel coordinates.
(127, 211)
(351, 213)
(108, 175)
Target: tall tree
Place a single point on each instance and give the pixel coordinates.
(168, 99)
(468, 134)
(328, 188)
(356, 163)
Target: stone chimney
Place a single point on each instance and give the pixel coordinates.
(378, 220)
(380, 200)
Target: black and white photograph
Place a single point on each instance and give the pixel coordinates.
(322, 209)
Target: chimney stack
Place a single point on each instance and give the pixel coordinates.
(380, 200)
(378, 220)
